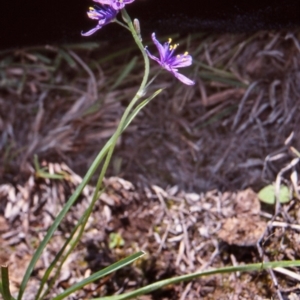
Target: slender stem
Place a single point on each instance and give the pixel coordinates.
(141, 46)
(113, 140)
(138, 95)
(61, 215)
(99, 274)
(121, 24)
(188, 277)
(71, 242)
(121, 126)
(153, 78)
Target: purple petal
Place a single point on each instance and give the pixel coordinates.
(180, 61)
(115, 4)
(103, 13)
(152, 56)
(161, 49)
(119, 4)
(90, 32)
(183, 78)
(105, 2)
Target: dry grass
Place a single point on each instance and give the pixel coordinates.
(58, 103)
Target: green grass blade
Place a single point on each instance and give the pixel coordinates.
(60, 253)
(82, 46)
(112, 268)
(49, 270)
(61, 215)
(67, 57)
(243, 268)
(57, 258)
(220, 72)
(218, 78)
(42, 58)
(5, 291)
(139, 107)
(116, 54)
(72, 242)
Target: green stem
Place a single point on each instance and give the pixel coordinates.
(122, 123)
(141, 46)
(60, 258)
(188, 277)
(113, 140)
(121, 24)
(138, 95)
(60, 216)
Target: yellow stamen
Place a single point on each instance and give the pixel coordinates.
(170, 41)
(185, 53)
(173, 47)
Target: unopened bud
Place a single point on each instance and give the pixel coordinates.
(136, 25)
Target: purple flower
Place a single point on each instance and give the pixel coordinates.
(169, 61)
(103, 14)
(115, 4)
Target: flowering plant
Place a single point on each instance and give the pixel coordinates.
(104, 12)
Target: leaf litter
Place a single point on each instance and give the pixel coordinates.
(185, 176)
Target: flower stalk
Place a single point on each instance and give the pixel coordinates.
(73, 240)
(104, 12)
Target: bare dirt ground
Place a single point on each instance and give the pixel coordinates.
(185, 174)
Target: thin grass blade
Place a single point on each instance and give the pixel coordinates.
(79, 223)
(159, 284)
(139, 107)
(5, 291)
(112, 268)
(61, 215)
